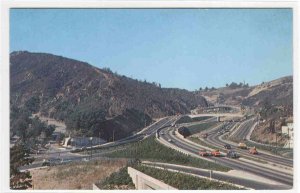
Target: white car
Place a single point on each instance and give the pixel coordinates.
(169, 140)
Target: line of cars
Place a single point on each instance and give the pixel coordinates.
(230, 153)
(252, 150)
(217, 153)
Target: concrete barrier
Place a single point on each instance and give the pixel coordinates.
(95, 187)
(145, 182)
(211, 178)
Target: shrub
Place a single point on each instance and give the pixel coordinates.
(184, 181)
(150, 149)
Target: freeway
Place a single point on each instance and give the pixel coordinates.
(268, 173)
(284, 180)
(66, 155)
(240, 134)
(242, 131)
(246, 130)
(147, 132)
(214, 139)
(221, 176)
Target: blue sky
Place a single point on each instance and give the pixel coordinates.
(184, 48)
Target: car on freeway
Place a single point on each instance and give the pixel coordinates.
(232, 154)
(203, 152)
(242, 146)
(253, 150)
(216, 153)
(227, 146)
(169, 140)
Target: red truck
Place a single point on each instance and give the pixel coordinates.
(216, 153)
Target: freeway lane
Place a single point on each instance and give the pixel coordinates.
(214, 139)
(243, 129)
(221, 176)
(66, 155)
(241, 133)
(235, 164)
(150, 130)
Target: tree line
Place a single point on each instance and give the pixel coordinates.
(232, 85)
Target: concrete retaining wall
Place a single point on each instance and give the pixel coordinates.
(95, 187)
(145, 182)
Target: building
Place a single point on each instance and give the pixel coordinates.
(288, 130)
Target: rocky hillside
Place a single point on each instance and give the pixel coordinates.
(67, 89)
(272, 100)
(279, 92)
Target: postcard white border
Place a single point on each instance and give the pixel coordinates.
(4, 65)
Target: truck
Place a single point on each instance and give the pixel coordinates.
(216, 153)
(253, 150)
(242, 146)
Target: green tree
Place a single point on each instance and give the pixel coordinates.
(33, 104)
(19, 156)
(233, 85)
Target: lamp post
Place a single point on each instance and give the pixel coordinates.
(276, 141)
(113, 135)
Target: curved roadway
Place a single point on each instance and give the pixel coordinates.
(280, 177)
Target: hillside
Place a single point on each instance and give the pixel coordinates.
(279, 92)
(273, 101)
(91, 100)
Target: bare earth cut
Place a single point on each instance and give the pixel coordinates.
(80, 175)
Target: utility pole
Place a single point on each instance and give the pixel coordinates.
(99, 138)
(276, 141)
(289, 136)
(113, 135)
